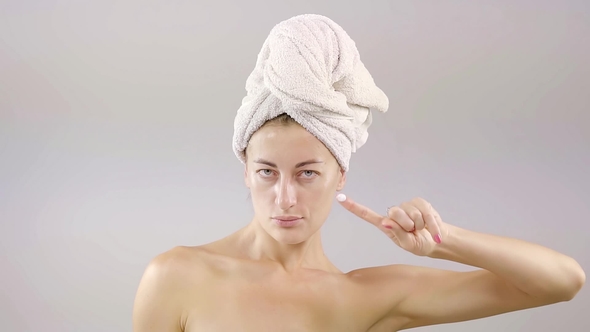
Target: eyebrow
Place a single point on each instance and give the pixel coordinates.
(301, 164)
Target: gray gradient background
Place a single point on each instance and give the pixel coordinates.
(116, 124)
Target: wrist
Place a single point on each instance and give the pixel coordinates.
(447, 248)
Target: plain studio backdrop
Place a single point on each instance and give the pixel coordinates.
(117, 117)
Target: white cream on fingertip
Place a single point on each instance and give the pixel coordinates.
(341, 197)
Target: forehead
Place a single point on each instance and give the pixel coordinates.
(290, 142)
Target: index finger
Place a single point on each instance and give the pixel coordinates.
(360, 211)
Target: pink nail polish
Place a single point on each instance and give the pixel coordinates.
(437, 238)
(387, 226)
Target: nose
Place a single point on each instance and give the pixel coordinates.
(286, 194)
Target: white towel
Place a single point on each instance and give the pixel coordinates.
(310, 69)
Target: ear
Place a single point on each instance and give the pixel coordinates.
(342, 180)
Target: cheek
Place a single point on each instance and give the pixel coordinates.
(321, 195)
(261, 191)
(330, 185)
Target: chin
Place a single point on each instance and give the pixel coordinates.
(291, 236)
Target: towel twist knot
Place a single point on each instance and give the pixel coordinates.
(310, 68)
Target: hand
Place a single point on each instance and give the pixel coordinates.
(415, 226)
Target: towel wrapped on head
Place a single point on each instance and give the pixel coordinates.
(310, 68)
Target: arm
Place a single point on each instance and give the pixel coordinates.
(514, 275)
(158, 302)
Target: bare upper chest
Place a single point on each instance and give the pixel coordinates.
(255, 302)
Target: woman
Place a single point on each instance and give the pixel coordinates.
(308, 108)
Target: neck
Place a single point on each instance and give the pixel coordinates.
(309, 254)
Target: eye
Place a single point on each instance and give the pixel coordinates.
(309, 174)
(265, 172)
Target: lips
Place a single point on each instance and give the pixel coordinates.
(287, 221)
(286, 218)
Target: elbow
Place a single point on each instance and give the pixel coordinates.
(577, 279)
(573, 281)
(562, 286)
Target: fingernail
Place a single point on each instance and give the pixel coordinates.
(341, 197)
(437, 238)
(388, 226)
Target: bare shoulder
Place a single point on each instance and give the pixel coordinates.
(395, 277)
(175, 265)
(376, 273)
(170, 283)
(190, 262)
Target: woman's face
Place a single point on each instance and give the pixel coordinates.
(291, 175)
